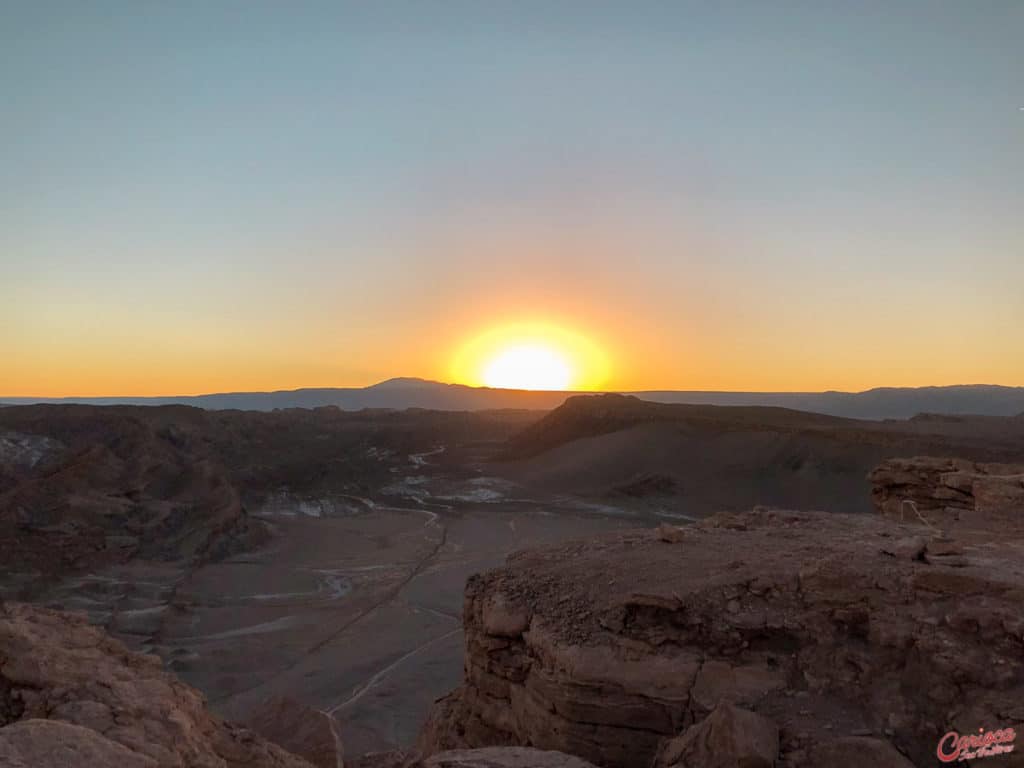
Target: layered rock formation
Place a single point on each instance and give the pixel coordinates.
(951, 492)
(72, 696)
(850, 639)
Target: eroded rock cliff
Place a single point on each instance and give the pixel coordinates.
(837, 635)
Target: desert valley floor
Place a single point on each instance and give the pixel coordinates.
(356, 602)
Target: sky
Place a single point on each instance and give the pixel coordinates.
(226, 196)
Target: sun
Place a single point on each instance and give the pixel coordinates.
(531, 355)
(527, 366)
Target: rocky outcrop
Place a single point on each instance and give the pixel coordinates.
(70, 695)
(824, 627)
(950, 492)
(56, 744)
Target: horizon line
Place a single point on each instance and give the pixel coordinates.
(226, 393)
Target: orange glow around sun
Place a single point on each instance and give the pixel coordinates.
(538, 356)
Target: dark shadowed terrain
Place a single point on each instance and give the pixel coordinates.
(692, 460)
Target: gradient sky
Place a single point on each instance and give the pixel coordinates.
(218, 195)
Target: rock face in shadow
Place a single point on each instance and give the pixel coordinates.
(502, 757)
(951, 492)
(729, 737)
(857, 752)
(71, 695)
(301, 730)
(486, 757)
(826, 627)
(108, 485)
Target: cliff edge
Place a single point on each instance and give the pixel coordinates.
(761, 638)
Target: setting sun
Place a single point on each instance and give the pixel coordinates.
(527, 367)
(531, 356)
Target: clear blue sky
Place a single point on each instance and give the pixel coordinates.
(235, 195)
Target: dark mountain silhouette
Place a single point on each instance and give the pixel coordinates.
(400, 393)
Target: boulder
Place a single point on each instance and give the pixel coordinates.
(727, 738)
(671, 534)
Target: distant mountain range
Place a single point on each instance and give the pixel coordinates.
(882, 403)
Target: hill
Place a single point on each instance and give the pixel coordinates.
(699, 459)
